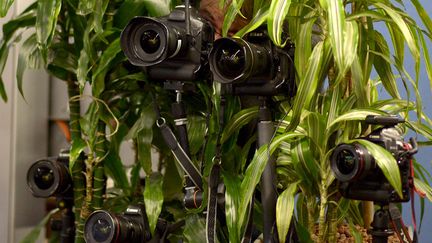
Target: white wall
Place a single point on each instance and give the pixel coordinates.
(23, 139)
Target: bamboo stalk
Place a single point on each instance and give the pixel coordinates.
(78, 168)
(99, 179)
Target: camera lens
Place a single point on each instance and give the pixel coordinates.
(103, 227)
(146, 41)
(346, 160)
(100, 227)
(236, 60)
(150, 41)
(350, 162)
(231, 59)
(101, 230)
(46, 178)
(43, 177)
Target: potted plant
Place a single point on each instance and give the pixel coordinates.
(78, 41)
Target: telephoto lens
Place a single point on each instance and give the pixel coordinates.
(129, 227)
(50, 177)
(351, 162)
(234, 60)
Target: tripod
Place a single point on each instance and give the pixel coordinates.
(380, 225)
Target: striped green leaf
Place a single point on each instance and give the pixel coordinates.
(230, 15)
(46, 20)
(424, 188)
(277, 14)
(316, 70)
(285, 210)
(403, 27)
(232, 201)
(254, 171)
(382, 66)
(424, 15)
(426, 57)
(239, 120)
(352, 115)
(153, 199)
(260, 17)
(4, 7)
(386, 163)
(336, 25)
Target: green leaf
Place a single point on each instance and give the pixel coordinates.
(195, 229)
(46, 20)
(77, 146)
(260, 17)
(428, 64)
(107, 57)
(153, 198)
(232, 201)
(34, 234)
(128, 10)
(196, 128)
(336, 25)
(424, 15)
(285, 210)
(403, 27)
(386, 162)
(424, 188)
(315, 72)
(29, 56)
(303, 46)
(256, 168)
(352, 115)
(4, 7)
(239, 120)
(230, 15)
(157, 7)
(86, 7)
(113, 164)
(277, 14)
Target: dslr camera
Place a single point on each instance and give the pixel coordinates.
(131, 226)
(358, 174)
(253, 65)
(173, 47)
(50, 177)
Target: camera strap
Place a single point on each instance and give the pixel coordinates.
(398, 225)
(181, 156)
(214, 180)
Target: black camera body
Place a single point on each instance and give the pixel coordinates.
(50, 177)
(130, 226)
(253, 65)
(172, 47)
(358, 174)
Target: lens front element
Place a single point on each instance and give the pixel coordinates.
(346, 160)
(43, 177)
(150, 41)
(231, 61)
(101, 230)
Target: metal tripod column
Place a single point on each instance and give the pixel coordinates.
(268, 178)
(380, 226)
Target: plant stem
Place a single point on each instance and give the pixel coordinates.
(99, 178)
(78, 168)
(87, 206)
(322, 213)
(332, 221)
(310, 204)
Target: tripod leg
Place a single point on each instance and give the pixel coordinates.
(268, 179)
